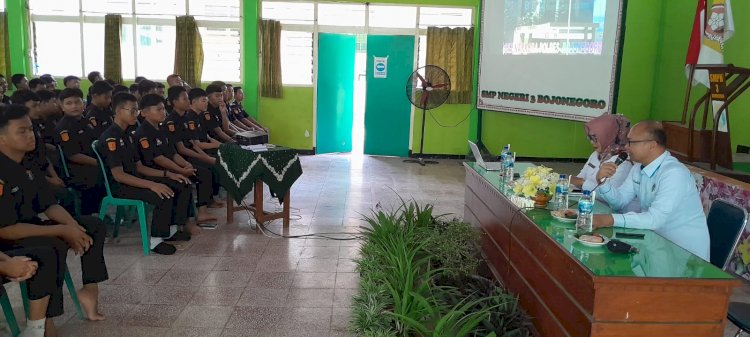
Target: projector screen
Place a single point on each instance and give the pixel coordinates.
(551, 58)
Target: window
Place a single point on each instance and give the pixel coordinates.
(393, 16)
(445, 17)
(296, 57)
(341, 15)
(289, 12)
(147, 39)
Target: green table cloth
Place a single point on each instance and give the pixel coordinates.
(238, 169)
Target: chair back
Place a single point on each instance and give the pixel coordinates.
(726, 222)
(94, 147)
(63, 161)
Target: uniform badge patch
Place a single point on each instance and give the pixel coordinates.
(64, 136)
(191, 126)
(144, 143)
(92, 120)
(2, 187)
(111, 144)
(170, 127)
(207, 117)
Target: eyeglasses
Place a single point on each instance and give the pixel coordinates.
(631, 142)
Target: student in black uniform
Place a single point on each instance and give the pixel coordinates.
(50, 107)
(49, 82)
(99, 112)
(74, 135)
(93, 77)
(19, 81)
(196, 115)
(231, 114)
(181, 132)
(24, 196)
(4, 89)
(215, 116)
(131, 179)
(119, 88)
(161, 89)
(36, 266)
(158, 151)
(240, 113)
(36, 84)
(72, 82)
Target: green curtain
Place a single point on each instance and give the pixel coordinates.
(4, 47)
(453, 50)
(188, 51)
(270, 54)
(112, 54)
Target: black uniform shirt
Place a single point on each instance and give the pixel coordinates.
(179, 129)
(38, 156)
(211, 120)
(199, 129)
(99, 119)
(74, 136)
(152, 143)
(117, 150)
(237, 110)
(23, 192)
(46, 128)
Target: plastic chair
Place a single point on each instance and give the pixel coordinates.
(71, 289)
(726, 222)
(110, 200)
(66, 173)
(10, 317)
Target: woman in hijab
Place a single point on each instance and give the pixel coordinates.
(608, 135)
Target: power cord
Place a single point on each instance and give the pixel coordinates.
(450, 126)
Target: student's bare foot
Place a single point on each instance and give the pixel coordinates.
(193, 229)
(204, 216)
(89, 298)
(216, 204)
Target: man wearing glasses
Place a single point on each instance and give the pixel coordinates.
(670, 204)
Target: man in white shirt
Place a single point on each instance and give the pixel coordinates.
(670, 204)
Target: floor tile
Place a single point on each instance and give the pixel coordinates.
(204, 317)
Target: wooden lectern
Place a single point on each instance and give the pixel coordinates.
(708, 145)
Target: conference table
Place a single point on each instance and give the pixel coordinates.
(574, 290)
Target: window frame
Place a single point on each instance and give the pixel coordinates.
(136, 19)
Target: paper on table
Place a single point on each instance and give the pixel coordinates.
(256, 148)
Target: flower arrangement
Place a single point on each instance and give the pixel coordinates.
(536, 180)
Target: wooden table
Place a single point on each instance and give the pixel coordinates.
(573, 290)
(261, 216)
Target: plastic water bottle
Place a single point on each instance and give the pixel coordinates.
(561, 193)
(508, 164)
(503, 154)
(584, 222)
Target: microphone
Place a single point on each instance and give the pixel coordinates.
(622, 157)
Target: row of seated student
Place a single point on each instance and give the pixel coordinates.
(148, 153)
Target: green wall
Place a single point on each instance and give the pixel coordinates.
(446, 139)
(289, 117)
(670, 80)
(532, 136)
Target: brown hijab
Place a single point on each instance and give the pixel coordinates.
(611, 131)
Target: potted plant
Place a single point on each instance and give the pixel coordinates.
(536, 183)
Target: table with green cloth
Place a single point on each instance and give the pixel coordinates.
(572, 289)
(240, 171)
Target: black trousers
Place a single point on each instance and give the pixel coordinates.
(42, 284)
(205, 182)
(93, 266)
(167, 212)
(88, 181)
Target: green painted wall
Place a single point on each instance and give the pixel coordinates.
(18, 37)
(669, 79)
(288, 118)
(443, 140)
(553, 138)
(249, 52)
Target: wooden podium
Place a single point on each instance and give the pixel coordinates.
(692, 144)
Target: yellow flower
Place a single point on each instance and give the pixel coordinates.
(535, 180)
(529, 190)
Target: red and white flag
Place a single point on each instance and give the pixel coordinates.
(707, 42)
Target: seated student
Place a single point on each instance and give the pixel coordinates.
(231, 115)
(183, 134)
(119, 88)
(138, 79)
(669, 200)
(50, 107)
(24, 196)
(198, 107)
(36, 84)
(20, 82)
(49, 82)
(37, 267)
(215, 118)
(4, 89)
(158, 151)
(74, 135)
(93, 77)
(239, 111)
(131, 179)
(176, 80)
(133, 89)
(72, 82)
(160, 89)
(99, 113)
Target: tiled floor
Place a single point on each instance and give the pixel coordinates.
(232, 282)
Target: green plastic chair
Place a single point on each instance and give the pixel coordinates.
(71, 289)
(110, 200)
(66, 173)
(10, 317)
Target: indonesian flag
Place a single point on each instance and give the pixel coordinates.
(707, 42)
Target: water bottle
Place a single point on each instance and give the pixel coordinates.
(561, 193)
(584, 222)
(508, 164)
(503, 154)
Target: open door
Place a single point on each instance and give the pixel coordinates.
(335, 98)
(388, 110)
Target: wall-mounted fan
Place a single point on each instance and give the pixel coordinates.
(427, 88)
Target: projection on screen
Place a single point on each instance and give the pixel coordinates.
(552, 58)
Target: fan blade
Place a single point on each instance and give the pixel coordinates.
(440, 85)
(421, 78)
(425, 96)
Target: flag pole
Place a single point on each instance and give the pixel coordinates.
(691, 73)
